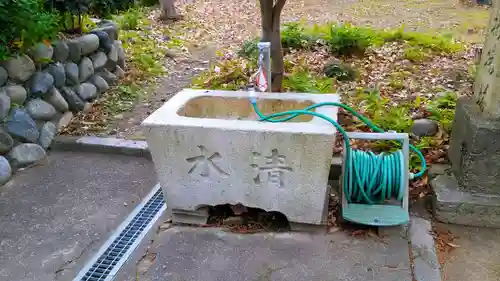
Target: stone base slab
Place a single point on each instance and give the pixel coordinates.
(306, 227)
(453, 205)
(198, 217)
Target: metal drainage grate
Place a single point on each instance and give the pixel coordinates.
(117, 249)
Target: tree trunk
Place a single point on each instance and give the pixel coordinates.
(168, 11)
(270, 16)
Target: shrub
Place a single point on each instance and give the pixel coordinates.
(249, 50)
(442, 109)
(349, 40)
(130, 20)
(149, 3)
(105, 8)
(24, 23)
(294, 36)
(71, 13)
(346, 39)
(87, 24)
(339, 70)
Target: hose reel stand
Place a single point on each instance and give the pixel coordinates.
(390, 213)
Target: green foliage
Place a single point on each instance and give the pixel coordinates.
(442, 110)
(393, 117)
(349, 40)
(148, 62)
(416, 54)
(249, 50)
(305, 82)
(318, 33)
(145, 63)
(293, 35)
(425, 143)
(396, 80)
(122, 99)
(130, 20)
(149, 3)
(398, 118)
(441, 43)
(81, 24)
(100, 8)
(105, 8)
(143, 52)
(383, 114)
(24, 23)
(396, 84)
(472, 69)
(341, 71)
(70, 13)
(435, 42)
(5, 51)
(87, 24)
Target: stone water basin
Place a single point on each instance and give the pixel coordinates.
(209, 148)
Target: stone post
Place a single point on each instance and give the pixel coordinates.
(469, 193)
(486, 86)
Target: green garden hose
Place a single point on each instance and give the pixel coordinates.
(369, 178)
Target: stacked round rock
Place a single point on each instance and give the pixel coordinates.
(41, 90)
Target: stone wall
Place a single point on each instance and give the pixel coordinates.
(41, 90)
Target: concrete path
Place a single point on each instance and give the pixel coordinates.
(194, 254)
(477, 256)
(55, 215)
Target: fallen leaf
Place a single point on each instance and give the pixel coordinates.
(452, 245)
(333, 229)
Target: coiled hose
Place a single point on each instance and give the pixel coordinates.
(369, 178)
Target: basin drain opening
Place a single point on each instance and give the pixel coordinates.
(242, 219)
